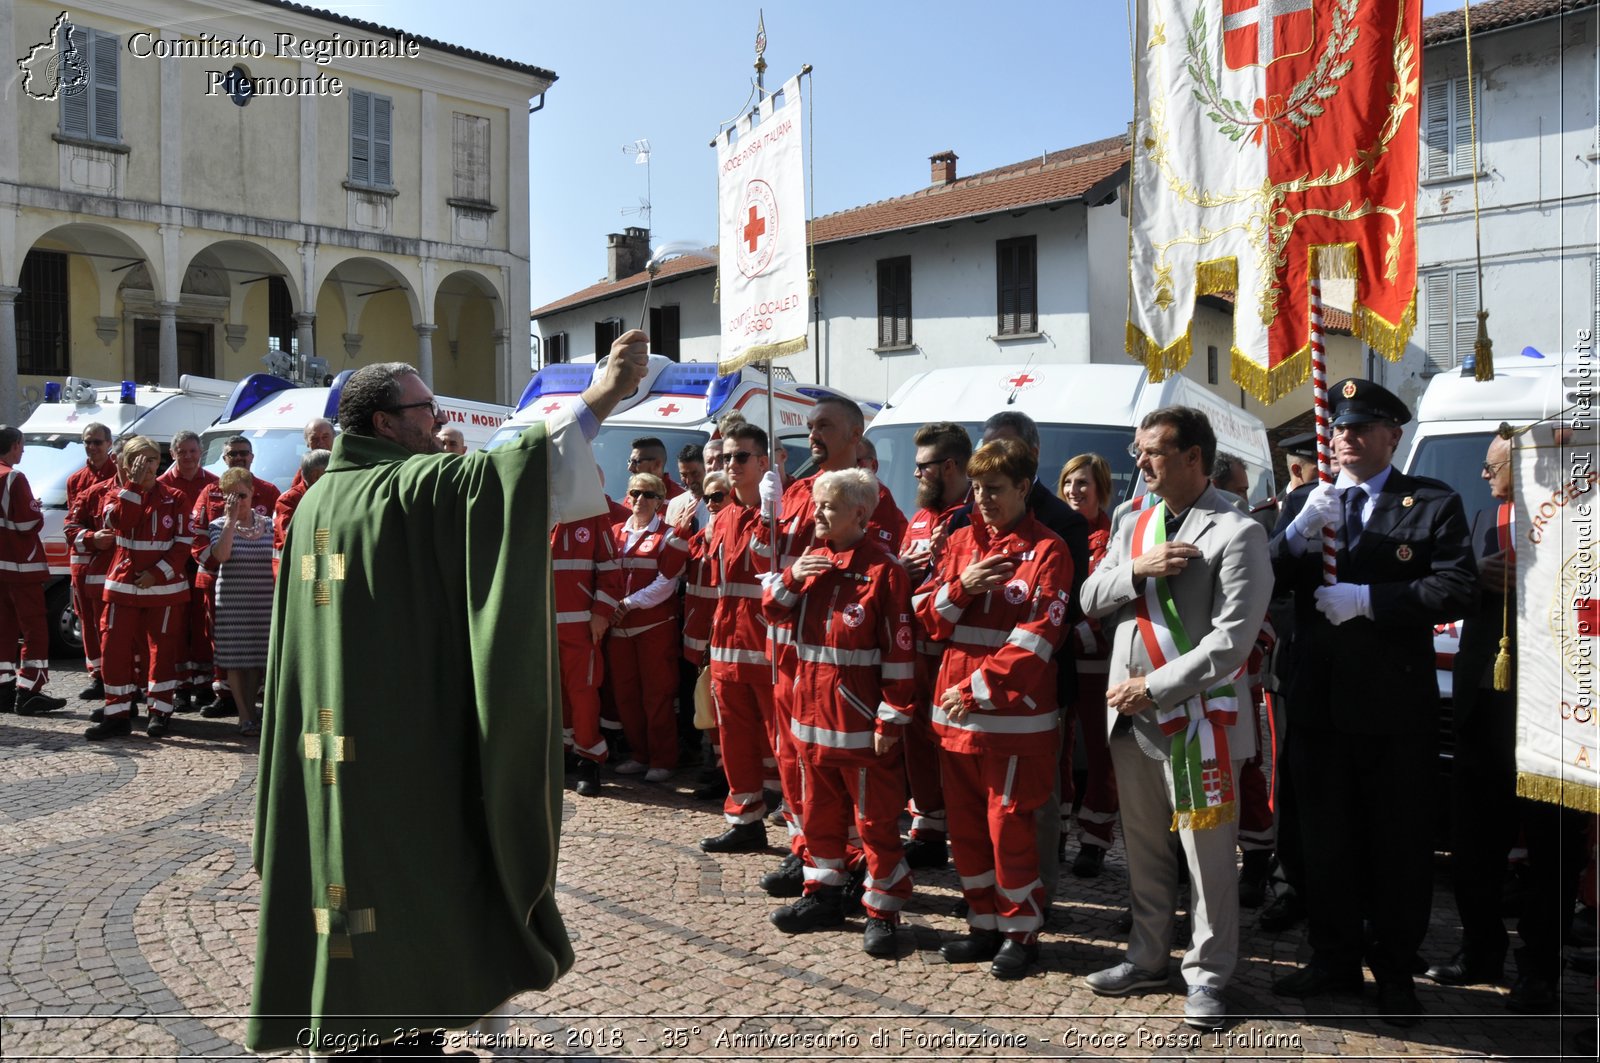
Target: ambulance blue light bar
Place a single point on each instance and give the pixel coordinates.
(720, 392)
(331, 410)
(250, 393)
(684, 378)
(130, 392)
(556, 380)
(52, 391)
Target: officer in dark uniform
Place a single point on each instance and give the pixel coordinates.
(1363, 700)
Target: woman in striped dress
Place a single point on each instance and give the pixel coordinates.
(241, 544)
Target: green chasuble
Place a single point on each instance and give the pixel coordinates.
(409, 803)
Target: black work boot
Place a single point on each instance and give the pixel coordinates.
(95, 691)
(114, 727)
(588, 773)
(788, 879)
(1253, 877)
(976, 947)
(8, 696)
(816, 910)
(739, 838)
(37, 703)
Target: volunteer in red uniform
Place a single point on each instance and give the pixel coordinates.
(943, 450)
(313, 463)
(583, 559)
(998, 598)
(188, 480)
(649, 455)
(646, 631)
(144, 590)
(699, 602)
(98, 468)
(237, 453)
(738, 556)
(24, 632)
(849, 604)
(1085, 485)
(86, 531)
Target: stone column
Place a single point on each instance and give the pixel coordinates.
(169, 344)
(425, 352)
(10, 393)
(305, 335)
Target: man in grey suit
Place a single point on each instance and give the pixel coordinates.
(1186, 582)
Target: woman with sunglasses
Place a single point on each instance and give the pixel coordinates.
(241, 544)
(645, 631)
(1085, 485)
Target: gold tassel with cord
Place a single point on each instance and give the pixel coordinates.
(1502, 666)
(1483, 350)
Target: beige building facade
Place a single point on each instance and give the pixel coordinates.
(188, 184)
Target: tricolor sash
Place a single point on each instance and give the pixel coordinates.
(1202, 770)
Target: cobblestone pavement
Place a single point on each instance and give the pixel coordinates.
(128, 922)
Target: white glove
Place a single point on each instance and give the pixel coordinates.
(771, 492)
(1344, 601)
(1322, 509)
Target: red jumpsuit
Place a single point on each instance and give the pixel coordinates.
(649, 636)
(282, 514)
(85, 516)
(797, 533)
(190, 491)
(86, 602)
(999, 761)
(922, 748)
(211, 505)
(741, 676)
(152, 536)
(23, 572)
(854, 678)
(587, 583)
(699, 602)
(1098, 816)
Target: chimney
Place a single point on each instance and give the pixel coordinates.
(627, 252)
(944, 167)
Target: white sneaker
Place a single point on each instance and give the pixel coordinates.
(658, 775)
(631, 767)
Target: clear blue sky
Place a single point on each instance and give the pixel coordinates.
(893, 84)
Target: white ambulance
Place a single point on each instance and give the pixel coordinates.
(53, 437)
(273, 413)
(1078, 408)
(677, 403)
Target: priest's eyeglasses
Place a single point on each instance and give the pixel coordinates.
(432, 404)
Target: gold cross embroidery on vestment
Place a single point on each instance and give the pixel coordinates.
(330, 748)
(310, 564)
(339, 924)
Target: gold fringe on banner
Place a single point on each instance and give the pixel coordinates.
(1558, 792)
(1270, 385)
(1335, 262)
(1206, 818)
(751, 355)
(1387, 337)
(1216, 275)
(1159, 362)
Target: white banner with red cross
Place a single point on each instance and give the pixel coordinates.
(1558, 617)
(766, 312)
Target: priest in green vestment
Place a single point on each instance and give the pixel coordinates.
(409, 802)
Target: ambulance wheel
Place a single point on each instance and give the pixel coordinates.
(66, 634)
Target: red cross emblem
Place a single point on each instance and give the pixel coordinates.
(669, 409)
(754, 229)
(1259, 32)
(1020, 379)
(72, 417)
(759, 232)
(286, 407)
(552, 408)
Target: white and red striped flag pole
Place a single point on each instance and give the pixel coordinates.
(1319, 392)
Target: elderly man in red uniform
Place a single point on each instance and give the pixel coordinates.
(738, 556)
(237, 453)
(583, 558)
(97, 469)
(145, 587)
(998, 597)
(943, 450)
(849, 603)
(186, 478)
(23, 571)
(313, 463)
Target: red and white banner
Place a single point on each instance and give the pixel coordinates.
(1558, 617)
(766, 312)
(1275, 141)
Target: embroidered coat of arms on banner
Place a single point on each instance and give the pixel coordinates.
(761, 228)
(1274, 141)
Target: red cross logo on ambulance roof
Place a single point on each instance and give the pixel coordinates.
(669, 409)
(1023, 381)
(286, 407)
(551, 408)
(1260, 32)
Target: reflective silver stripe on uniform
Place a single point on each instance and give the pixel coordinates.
(147, 544)
(640, 562)
(700, 590)
(978, 882)
(740, 590)
(1029, 640)
(1018, 924)
(629, 632)
(782, 634)
(573, 618)
(602, 598)
(166, 569)
(571, 564)
(900, 670)
(783, 595)
(918, 599)
(698, 645)
(130, 496)
(980, 690)
(724, 655)
(944, 606)
(826, 872)
(998, 725)
(24, 566)
(821, 736)
(889, 714)
(835, 655)
(147, 592)
(874, 896)
(986, 637)
(1011, 778)
(19, 525)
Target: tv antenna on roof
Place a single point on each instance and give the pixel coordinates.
(640, 150)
